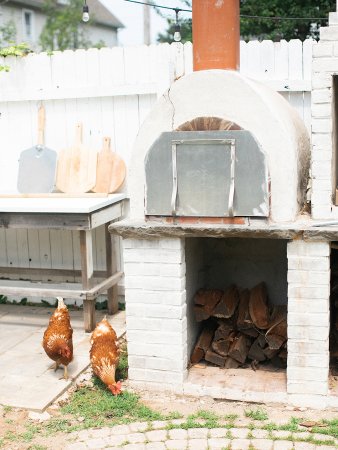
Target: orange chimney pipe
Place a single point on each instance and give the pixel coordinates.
(215, 31)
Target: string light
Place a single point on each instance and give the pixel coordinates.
(177, 33)
(177, 29)
(244, 16)
(85, 12)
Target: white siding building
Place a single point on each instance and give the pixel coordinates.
(29, 19)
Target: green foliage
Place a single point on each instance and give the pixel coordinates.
(256, 414)
(63, 28)
(284, 29)
(331, 428)
(12, 50)
(15, 50)
(256, 28)
(7, 33)
(292, 425)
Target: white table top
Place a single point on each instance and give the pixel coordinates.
(58, 204)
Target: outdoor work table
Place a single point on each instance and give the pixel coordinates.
(67, 213)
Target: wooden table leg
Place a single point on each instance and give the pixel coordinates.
(87, 271)
(111, 265)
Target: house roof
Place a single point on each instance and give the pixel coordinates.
(102, 15)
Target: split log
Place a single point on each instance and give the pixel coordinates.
(228, 303)
(231, 363)
(274, 341)
(244, 320)
(239, 349)
(222, 346)
(256, 352)
(278, 321)
(223, 331)
(205, 301)
(215, 358)
(203, 343)
(258, 306)
(270, 353)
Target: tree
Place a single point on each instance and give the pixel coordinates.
(7, 33)
(63, 28)
(284, 29)
(256, 28)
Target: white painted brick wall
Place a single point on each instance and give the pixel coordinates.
(321, 211)
(308, 317)
(333, 18)
(158, 297)
(302, 248)
(298, 306)
(321, 153)
(156, 310)
(319, 125)
(307, 373)
(312, 263)
(321, 96)
(309, 347)
(308, 360)
(321, 80)
(321, 197)
(322, 49)
(307, 332)
(322, 139)
(163, 270)
(321, 185)
(321, 110)
(321, 170)
(324, 65)
(163, 376)
(328, 34)
(170, 351)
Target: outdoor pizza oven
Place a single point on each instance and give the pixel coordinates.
(217, 185)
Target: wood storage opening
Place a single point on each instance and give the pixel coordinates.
(237, 302)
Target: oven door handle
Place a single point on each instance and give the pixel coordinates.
(175, 185)
(232, 178)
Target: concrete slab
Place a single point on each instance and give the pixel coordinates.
(26, 380)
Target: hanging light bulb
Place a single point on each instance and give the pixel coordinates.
(177, 32)
(85, 13)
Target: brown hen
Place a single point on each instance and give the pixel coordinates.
(57, 339)
(104, 355)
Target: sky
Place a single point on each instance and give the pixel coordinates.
(131, 15)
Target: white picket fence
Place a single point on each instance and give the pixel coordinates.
(110, 91)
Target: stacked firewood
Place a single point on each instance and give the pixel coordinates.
(239, 328)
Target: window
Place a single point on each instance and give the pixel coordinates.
(28, 24)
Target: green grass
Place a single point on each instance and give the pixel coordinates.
(331, 428)
(231, 417)
(256, 414)
(37, 447)
(210, 419)
(7, 409)
(292, 425)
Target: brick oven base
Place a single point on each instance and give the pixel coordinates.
(160, 335)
